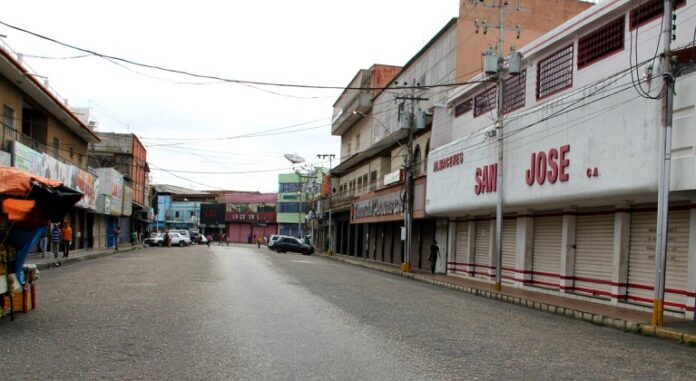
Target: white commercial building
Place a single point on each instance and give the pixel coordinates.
(580, 163)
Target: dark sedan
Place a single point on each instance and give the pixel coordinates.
(293, 245)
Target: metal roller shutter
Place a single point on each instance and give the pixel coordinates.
(388, 244)
(461, 249)
(509, 249)
(372, 247)
(379, 249)
(482, 249)
(641, 259)
(594, 248)
(546, 252)
(427, 235)
(397, 243)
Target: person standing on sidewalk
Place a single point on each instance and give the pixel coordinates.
(117, 236)
(43, 244)
(55, 240)
(434, 255)
(66, 238)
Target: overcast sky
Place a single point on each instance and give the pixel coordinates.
(315, 42)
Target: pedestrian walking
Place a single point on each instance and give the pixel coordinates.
(55, 240)
(210, 239)
(167, 240)
(117, 236)
(258, 242)
(222, 239)
(66, 238)
(43, 243)
(227, 240)
(434, 255)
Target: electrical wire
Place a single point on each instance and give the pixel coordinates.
(206, 76)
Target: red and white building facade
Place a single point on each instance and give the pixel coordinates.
(249, 215)
(580, 164)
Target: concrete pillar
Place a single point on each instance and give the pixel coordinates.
(524, 247)
(691, 277)
(448, 255)
(491, 250)
(470, 249)
(622, 236)
(567, 251)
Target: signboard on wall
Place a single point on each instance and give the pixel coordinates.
(213, 214)
(127, 209)
(47, 166)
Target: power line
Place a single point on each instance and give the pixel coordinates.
(208, 76)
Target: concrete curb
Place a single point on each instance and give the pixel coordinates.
(598, 319)
(64, 262)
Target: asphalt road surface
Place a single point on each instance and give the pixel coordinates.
(242, 313)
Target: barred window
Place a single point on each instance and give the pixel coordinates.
(555, 72)
(602, 42)
(648, 11)
(514, 92)
(484, 102)
(463, 108)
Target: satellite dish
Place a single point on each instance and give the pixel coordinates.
(294, 158)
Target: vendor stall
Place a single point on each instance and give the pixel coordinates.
(28, 204)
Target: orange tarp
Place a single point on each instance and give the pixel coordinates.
(17, 183)
(23, 212)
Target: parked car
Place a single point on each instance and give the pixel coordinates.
(272, 240)
(180, 239)
(155, 239)
(199, 238)
(293, 245)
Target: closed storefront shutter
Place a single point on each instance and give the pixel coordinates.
(388, 244)
(509, 249)
(427, 235)
(396, 240)
(546, 252)
(482, 248)
(461, 249)
(372, 248)
(594, 247)
(379, 253)
(641, 259)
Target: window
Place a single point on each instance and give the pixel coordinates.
(555, 72)
(193, 213)
(288, 207)
(8, 116)
(288, 187)
(364, 180)
(464, 107)
(357, 143)
(601, 43)
(648, 11)
(484, 102)
(176, 214)
(514, 92)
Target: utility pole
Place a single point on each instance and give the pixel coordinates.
(322, 157)
(665, 167)
(494, 66)
(408, 175)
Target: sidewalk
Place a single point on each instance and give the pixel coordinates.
(75, 256)
(611, 316)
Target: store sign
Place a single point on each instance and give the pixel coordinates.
(486, 179)
(448, 162)
(212, 214)
(47, 166)
(249, 217)
(387, 205)
(111, 184)
(552, 166)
